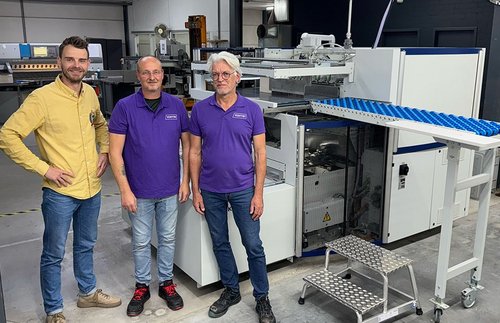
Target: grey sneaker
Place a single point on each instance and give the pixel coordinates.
(98, 299)
(55, 318)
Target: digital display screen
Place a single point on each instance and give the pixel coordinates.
(40, 51)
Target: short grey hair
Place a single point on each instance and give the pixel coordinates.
(145, 58)
(227, 57)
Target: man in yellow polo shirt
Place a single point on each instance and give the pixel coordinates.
(66, 119)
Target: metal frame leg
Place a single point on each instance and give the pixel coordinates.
(3, 319)
(482, 216)
(303, 294)
(475, 263)
(447, 224)
(386, 291)
(360, 318)
(327, 258)
(415, 290)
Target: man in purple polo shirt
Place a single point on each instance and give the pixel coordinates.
(223, 128)
(145, 130)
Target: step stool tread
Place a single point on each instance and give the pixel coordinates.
(344, 291)
(369, 254)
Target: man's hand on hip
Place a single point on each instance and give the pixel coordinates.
(58, 176)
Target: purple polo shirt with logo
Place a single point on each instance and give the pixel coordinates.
(151, 150)
(226, 151)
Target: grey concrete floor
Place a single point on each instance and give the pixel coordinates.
(20, 247)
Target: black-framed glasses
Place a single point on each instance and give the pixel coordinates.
(224, 75)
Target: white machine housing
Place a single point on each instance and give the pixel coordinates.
(316, 41)
(438, 79)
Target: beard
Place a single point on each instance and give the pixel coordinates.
(224, 90)
(71, 78)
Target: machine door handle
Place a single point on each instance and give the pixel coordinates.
(404, 169)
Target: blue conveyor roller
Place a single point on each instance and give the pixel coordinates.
(477, 126)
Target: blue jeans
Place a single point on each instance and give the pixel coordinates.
(58, 211)
(164, 211)
(216, 207)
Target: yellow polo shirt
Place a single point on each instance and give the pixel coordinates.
(67, 127)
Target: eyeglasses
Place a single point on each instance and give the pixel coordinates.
(151, 73)
(224, 75)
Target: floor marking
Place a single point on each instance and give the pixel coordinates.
(6, 214)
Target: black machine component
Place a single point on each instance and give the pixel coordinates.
(404, 169)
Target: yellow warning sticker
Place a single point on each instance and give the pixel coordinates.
(327, 217)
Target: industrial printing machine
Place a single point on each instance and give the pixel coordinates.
(331, 174)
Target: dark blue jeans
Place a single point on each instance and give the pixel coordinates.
(58, 212)
(216, 207)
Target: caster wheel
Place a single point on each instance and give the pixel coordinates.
(347, 276)
(468, 297)
(419, 311)
(437, 315)
(301, 301)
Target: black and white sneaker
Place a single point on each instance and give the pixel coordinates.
(227, 298)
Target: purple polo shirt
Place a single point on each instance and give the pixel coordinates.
(226, 151)
(151, 150)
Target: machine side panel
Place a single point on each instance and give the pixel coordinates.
(190, 241)
(287, 153)
(376, 74)
(441, 83)
(411, 195)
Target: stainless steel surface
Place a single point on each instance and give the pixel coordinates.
(259, 59)
(344, 291)
(275, 65)
(370, 255)
(355, 297)
(280, 98)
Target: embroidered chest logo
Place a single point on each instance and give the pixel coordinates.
(170, 117)
(92, 116)
(240, 115)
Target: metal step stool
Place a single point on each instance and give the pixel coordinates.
(358, 299)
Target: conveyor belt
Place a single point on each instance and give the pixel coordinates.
(477, 126)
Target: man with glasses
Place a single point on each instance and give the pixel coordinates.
(145, 130)
(224, 127)
(67, 121)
